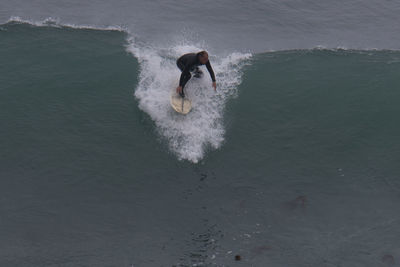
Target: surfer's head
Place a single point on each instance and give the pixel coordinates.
(203, 57)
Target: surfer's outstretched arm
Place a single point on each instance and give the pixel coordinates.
(210, 70)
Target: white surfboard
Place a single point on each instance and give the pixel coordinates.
(180, 104)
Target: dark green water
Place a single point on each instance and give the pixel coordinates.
(306, 173)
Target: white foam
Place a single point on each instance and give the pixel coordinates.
(54, 22)
(188, 135)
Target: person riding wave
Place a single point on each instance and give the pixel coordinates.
(190, 63)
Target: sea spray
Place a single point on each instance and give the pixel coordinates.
(190, 135)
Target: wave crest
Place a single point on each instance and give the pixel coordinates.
(54, 22)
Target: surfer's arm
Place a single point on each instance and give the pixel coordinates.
(210, 70)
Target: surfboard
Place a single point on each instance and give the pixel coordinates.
(180, 104)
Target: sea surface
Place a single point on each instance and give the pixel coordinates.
(294, 161)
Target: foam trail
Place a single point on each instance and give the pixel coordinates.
(190, 135)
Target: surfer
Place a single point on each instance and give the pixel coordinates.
(190, 63)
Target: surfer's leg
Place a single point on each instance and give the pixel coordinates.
(186, 78)
(180, 65)
(182, 94)
(197, 72)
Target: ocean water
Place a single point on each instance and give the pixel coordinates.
(293, 161)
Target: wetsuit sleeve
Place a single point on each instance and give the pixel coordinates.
(210, 70)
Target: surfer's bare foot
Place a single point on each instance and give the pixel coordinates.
(214, 84)
(179, 90)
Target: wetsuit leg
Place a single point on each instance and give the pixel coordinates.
(180, 65)
(197, 73)
(186, 78)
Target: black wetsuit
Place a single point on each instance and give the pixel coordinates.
(189, 63)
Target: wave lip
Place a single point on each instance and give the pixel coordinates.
(188, 136)
(54, 22)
